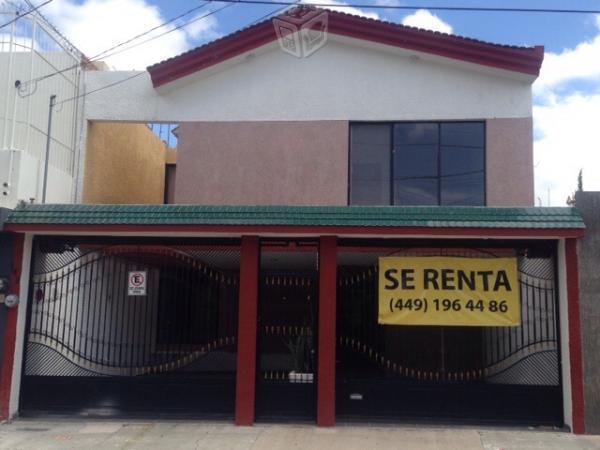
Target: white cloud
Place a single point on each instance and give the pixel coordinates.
(203, 28)
(333, 6)
(387, 2)
(579, 63)
(95, 25)
(424, 19)
(569, 140)
(566, 121)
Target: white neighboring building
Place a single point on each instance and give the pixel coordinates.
(31, 49)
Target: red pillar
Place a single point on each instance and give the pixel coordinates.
(327, 332)
(575, 341)
(246, 348)
(10, 331)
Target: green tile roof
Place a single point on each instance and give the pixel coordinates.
(378, 216)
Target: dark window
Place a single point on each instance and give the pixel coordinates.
(417, 163)
(170, 171)
(370, 167)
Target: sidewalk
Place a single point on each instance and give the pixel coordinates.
(171, 435)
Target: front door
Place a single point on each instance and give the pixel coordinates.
(286, 378)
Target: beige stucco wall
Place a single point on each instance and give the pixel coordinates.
(260, 163)
(509, 162)
(125, 163)
(306, 163)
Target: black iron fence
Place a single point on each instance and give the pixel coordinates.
(82, 311)
(527, 354)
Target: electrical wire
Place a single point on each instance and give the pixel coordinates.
(414, 7)
(114, 83)
(137, 74)
(171, 30)
(104, 54)
(26, 13)
(108, 53)
(276, 11)
(188, 12)
(286, 4)
(155, 37)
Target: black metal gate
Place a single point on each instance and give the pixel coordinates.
(94, 347)
(495, 374)
(287, 336)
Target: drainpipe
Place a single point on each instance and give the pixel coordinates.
(8, 78)
(31, 67)
(14, 117)
(8, 182)
(48, 140)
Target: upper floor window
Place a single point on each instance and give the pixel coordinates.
(417, 163)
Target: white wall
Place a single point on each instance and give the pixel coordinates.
(18, 177)
(15, 387)
(36, 62)
(25, 175)
(342, 81)
(563, 312)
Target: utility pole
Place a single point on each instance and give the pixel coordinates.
(48, 141)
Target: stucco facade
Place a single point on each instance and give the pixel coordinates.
(261, 163)
(306, 163)
(509, 162)
(125, 163)
(264, 127)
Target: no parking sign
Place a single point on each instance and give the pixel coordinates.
(137, 282)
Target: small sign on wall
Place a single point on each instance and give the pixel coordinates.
(137, 283)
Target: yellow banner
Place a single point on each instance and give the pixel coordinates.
(448, 290)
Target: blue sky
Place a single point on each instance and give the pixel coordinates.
(555, 31)
(566, 96)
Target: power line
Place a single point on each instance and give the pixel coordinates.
(128, 48)
(114, 83)
(275, 11)
(152, 29)
(107, 53)
(10, 22)
(414, 7)
(170, 31)
(135, 75)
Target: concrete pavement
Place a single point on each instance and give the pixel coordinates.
(41, 434)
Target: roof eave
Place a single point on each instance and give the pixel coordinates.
(516, 59)
(471, 232)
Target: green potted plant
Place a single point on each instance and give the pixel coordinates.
(301, 352)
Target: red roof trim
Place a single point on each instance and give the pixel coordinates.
(526, 60)
(298, 229)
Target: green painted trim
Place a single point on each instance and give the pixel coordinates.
(440, 216)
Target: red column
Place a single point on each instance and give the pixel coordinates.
(246, 348)
(10, 331)
(575, 342)
(327, 332)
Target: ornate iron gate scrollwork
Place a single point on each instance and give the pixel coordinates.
(83, 322)
(527, 354)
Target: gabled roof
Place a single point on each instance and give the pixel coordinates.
(526, 60)
(540, 221)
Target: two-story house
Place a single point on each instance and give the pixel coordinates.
(353, 239)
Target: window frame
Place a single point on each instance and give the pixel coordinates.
(390, 124)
